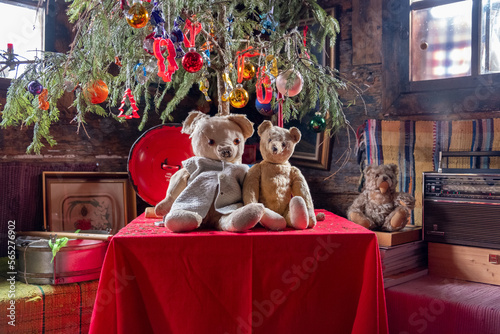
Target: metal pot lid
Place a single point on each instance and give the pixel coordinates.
(155, 157)
(40, 242)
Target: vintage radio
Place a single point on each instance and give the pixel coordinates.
(462, 208)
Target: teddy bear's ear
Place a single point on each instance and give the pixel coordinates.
(193, 117)
(264, 126)
(296, 135)
(394, 168)
(243, 122)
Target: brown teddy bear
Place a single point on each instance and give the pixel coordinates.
(207, 190)
(380, 206)
(274, 181)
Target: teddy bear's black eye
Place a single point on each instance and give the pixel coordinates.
(211, 142)
(236, 141)
(269, 141)
(283, 144)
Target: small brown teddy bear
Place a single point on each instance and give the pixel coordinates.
(274, 181)
(207, 190)
(379, 206)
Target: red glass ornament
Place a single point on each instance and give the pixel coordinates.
(192, 61)
(265, 95)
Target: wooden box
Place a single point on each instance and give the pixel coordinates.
(466, 263)
(408, 234)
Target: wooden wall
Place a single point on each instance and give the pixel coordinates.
(360, 62)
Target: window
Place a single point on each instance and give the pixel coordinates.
(22, 34)
(450, 40)
(441, 57)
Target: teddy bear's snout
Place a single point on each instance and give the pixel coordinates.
(278, 147)
(225, 152)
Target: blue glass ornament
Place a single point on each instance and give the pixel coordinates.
(140, 73)
(265, 108)
(268, 23)
(206, 56)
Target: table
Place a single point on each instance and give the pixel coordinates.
(322, 280)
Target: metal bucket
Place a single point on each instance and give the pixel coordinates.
(80, 260)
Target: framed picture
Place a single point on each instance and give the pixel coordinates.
(314, 149)
(87, 201)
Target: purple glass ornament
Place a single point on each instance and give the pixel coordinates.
(176, 35)
(179, 52)
(35, 88)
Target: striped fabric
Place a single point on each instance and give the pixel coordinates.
(414, 146)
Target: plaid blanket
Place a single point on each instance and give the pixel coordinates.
(58, 309)
(414, 146)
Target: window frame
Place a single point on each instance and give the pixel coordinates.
(48, 33)
(477, 93)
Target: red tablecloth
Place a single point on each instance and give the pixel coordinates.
(322, 280)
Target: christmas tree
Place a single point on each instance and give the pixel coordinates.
(127, 52)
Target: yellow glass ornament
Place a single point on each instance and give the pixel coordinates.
(274, 65)
(137, 16)
(228, 85)
(248, 71)
(238, 97)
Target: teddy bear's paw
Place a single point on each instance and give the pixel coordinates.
(397, 220)
(243, 219)
(406, 200)
(182, 221)
(162, 208)
(312, 221)
(299, 216)
(272, 220)
(360, 219)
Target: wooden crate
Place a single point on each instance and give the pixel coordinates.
(463, 262)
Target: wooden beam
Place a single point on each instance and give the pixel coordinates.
(366, 32)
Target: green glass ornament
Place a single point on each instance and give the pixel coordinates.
(317, 123)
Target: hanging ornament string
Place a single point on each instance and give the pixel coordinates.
(280, 109)
(305, 47)
(192, 29)
(165, 74)
(128, 93)
(241, 55)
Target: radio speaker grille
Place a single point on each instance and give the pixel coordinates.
(473, 224)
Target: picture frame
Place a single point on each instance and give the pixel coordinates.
(88, 201)
(314, 149)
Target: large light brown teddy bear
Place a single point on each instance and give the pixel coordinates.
(207, 190)
(274, 181)
(380, 206)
